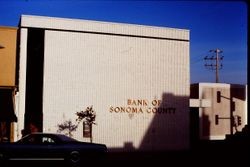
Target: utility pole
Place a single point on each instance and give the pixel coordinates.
(213, 62)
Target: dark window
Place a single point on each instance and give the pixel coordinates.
(7, 114)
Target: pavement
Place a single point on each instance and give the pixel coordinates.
(205, 153)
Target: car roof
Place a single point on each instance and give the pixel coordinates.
(61, 137)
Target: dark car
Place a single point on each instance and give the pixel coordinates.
(51, 147)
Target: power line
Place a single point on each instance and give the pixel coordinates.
(197, 58)
(214, 62)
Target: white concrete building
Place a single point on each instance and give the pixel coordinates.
(137, 79)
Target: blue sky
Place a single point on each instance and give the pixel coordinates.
(212, 24)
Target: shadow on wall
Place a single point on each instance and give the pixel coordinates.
(194, 126)
(205, 126)
(195, 122)
(238, 91)
(169, 128)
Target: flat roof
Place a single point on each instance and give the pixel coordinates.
(79, 25)
(8, 27)
(217, 85)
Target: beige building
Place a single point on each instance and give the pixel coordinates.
(135, 77)
(222, 109)
(8, 37)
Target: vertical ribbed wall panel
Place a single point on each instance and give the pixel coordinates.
(22, 82)
(105, 71)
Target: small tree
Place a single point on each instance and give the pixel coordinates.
(88, 117)
(67, 126)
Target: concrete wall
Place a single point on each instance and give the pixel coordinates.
(20, 105)
(7, 56)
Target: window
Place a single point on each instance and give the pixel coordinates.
(47, 140)
(31, 139)
(86, 129)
